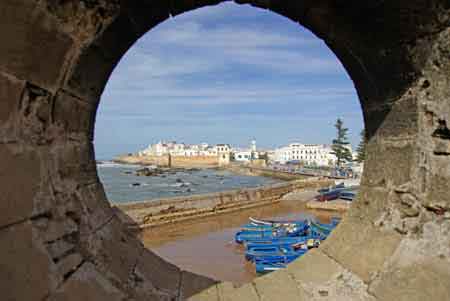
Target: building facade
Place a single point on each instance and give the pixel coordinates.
(184, 150)
(308, 154)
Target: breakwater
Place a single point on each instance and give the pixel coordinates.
(265, 172)
(170, 210)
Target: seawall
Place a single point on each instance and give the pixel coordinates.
(176, 161)
(265, 172)
(163, 211)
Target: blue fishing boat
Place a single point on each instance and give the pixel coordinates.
(263, 267)
(276, 224)
(290, 231)
(297, 246)
(347, 195)
(263, 250)
(327, 189)
(322, 229)
(280, 254)
(328, 196)
(271, 245)
(244, 236)
(253, 227)
(335, 220)
(281, 241)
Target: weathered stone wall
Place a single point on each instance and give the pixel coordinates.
(265, 172)
(175, 161)
(171, 210)
(60, 239)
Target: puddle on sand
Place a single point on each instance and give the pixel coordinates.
(207, 246)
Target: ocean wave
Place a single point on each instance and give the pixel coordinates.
(110, 164)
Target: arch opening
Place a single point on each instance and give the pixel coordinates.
(71, 244)
(225, 74)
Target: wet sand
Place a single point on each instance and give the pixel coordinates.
(207, 246)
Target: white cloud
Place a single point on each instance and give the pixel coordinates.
(173, 63)
(193, 34)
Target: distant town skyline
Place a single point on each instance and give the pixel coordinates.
(226, 74)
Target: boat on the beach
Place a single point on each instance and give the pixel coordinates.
(327, 189)
(347, 195)
(271, 248)
(321, 228)
(294, 230)
(263, 267)
(281, 241)
(257, 222)
(307, 242)
(274, 254)
(329, 195)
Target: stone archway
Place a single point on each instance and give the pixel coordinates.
(60, 240)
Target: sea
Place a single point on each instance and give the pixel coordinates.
(122, 185)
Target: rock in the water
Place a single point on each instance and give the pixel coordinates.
(147, 172)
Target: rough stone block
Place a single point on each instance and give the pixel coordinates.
(69, 264)
(33, 48)
(178, 7)
(314, 268)
(157, 13)
(360, 247)
(91, 71)
(89, 74)
(389, 162)
(372, 202)
(276, 284)
(87, 283)
(95, 208)
(228, 292)
(192, 284)
(417, 282)
(10, 94)
(437, 193)
(115, 252)
(74, 115)
(20, 176)
(25, 267)
(397, 120)
(76, 161)
(160, 273)
(210, 294)
(52, 230)
(60, 247)
(323, 279)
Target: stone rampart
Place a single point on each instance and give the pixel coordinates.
(175, 161)
(265, 172)
(162, 211)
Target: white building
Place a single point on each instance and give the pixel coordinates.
(242, 155)
(246, 154)
(180, 149)
(309, 154)
(223, 148)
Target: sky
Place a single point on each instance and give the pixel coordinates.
(226, 74)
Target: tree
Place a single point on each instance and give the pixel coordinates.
(361, 150)
(340, 144)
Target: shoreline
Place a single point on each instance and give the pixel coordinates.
(236, 168)
(205, 246)
(154, 213)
